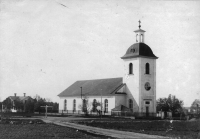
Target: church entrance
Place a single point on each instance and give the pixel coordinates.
(147, 111)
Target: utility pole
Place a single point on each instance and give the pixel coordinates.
(46, 110)
(101, 103)
(81, 92)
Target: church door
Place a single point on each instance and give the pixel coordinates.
(147, 111)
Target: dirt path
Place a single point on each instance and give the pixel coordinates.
(65, 121)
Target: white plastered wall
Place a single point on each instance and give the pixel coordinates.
(120, 99)
(111, 102)
(151, 78)
(132, 82)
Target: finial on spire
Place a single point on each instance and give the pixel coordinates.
(139, 24)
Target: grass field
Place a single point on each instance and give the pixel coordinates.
(37, 129)
(176, 129)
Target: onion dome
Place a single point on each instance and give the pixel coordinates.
(139, 50)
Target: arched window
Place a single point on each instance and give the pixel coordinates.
(106, 106)
(136, 37)
(141, 38)
(94, 105)
(147, 68)
(65, 105)
(131, 104)
(84, 107)
(74, 105)
(130, 68)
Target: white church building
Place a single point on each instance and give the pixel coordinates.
(136, 90)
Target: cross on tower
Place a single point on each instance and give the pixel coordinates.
(139, 24)
(46, 109)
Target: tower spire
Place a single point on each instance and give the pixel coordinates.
(139, 24)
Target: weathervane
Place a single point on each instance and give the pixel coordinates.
(139, 24)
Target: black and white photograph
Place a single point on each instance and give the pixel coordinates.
(99, 69)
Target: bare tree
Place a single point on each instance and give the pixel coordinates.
(37, 97)
(86, 107)
(48, 100)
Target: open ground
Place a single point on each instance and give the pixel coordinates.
(37, 129)
(167, 128)
(82, 127)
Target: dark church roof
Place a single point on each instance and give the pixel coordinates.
(106, 87)
(139, 50)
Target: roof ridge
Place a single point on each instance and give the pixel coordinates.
(100, 79)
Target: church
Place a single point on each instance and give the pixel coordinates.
(135, 91)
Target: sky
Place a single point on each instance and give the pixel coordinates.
(46, 45)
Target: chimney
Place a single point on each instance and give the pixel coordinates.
(24, 94)
(15, 94)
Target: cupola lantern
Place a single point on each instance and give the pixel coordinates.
(139, 34)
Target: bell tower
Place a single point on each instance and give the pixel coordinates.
(140, 76)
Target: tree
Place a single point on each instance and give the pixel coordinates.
(37, 97)
(37, 106)
(55, 106)
(48, 100)
(86, 107)
(38, 102)
(96, 107)
(171, 103)
(18, 105)
(7, 104)
(29, 105)
(1, 106)
(195, 107)
(95, 104)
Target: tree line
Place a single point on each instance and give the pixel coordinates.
(30, 105)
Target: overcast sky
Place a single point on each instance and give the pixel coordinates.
(46, 45)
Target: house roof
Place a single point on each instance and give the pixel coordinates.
(121, 108)
(20, 98)
(98, 87)
(139, 50)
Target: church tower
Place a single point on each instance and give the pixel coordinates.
(140, 75)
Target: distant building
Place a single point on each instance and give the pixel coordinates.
(23, 99)
(136, 90)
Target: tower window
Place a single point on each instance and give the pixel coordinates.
(65, 105)
(136, 37)
(131, 104)
(74, 105)
(147, 68)
(130, 68)
(141, 38)
(106, 106)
